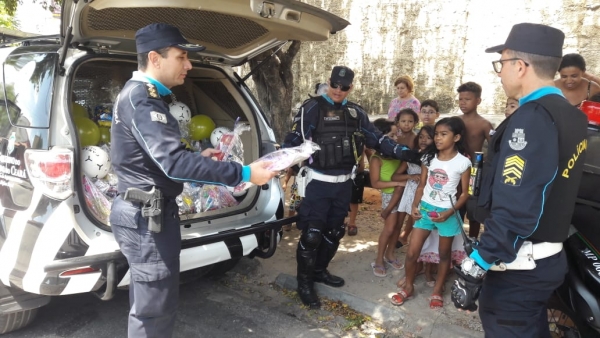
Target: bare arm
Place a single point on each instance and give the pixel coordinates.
(591, 77)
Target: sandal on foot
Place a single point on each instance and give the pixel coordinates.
(396, 264)
(436, 302)
(399, 298)
(352, 230)
(377, 270)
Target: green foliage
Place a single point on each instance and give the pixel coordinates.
(6, 20)
(11, 5)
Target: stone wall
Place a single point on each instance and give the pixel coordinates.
(440, 43)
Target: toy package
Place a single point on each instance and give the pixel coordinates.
(231, 146)
(95, 200)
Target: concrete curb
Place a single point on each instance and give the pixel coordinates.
(384, 314)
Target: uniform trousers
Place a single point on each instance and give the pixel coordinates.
(513, 302)
(154, 267)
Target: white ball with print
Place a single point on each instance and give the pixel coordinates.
(95, 162)
(181, 112)
(216, 135)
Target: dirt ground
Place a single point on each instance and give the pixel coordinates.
(353, 263)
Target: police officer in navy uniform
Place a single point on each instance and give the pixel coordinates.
(341, 129)
(528, 191)
(147, 152)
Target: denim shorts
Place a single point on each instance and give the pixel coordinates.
(448, 228)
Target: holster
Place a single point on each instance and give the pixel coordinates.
(152, 205)
(302, 179)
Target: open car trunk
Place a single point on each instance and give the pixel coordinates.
(207, 90)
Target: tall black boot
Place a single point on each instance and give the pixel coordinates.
(327, 250)
(306, 273)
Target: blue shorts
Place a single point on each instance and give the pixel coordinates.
(448, 228)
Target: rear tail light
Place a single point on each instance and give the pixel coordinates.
(51, 171)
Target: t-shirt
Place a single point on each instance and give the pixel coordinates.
(443, 178)
(396, 105)
(388, 168)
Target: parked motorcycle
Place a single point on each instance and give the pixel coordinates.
(574, 308)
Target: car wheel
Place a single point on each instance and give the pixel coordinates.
(16, 320)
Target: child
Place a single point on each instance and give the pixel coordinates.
(443, 169)
(429, 113)
(405, 121)
(511, 105)
(381, 171)
(478, 130)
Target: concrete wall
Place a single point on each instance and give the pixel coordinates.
(440, 43)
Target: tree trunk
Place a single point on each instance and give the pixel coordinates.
(274, 85)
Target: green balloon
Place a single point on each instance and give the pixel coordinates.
(200, 127)
(89, 134)
(104, 135)
(79, 110)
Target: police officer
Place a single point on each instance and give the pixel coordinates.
(341, 128)
(528, 191)
(147, 153)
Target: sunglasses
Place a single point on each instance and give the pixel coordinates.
(339, 85)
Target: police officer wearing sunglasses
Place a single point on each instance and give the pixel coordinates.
(341, 128)
(528, 191)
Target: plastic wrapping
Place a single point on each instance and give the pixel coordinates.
(231, 146)
(96, 201)
(215, 197)
(284, 158)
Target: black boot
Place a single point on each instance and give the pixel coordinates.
(306, 273)
(327, 250)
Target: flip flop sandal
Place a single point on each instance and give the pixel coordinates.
(436, 302)
(377, 270)
(399, 298)
(396, 264)
(352, 230)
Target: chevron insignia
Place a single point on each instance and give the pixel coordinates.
(514, 167)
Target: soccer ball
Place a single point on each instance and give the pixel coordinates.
(181, 112)
(95, 162)
(216, 135)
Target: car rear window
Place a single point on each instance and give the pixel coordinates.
(26, 93)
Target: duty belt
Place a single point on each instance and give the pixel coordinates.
(315, 175)
(528, 254)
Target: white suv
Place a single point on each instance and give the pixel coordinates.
(50, 242)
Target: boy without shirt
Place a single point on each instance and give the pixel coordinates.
(478, 130)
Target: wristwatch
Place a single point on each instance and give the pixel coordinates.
(471, 268)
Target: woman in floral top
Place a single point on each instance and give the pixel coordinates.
(404, 88)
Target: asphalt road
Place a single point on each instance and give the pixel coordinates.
(235, 305)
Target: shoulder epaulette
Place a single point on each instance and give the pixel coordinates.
(152, 91)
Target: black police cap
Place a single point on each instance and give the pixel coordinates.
(533, 39)
(161, 35)
(342, 75)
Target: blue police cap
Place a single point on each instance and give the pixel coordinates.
(161, 35)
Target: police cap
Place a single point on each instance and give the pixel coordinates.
(533, 39)
(161, 35)
(342, 75)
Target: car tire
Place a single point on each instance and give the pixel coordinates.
(16, 320)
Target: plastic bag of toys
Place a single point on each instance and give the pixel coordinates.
(231, 146)
(284, 158)
(95, 200)
(215, 197)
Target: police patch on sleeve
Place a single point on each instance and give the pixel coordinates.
(158, 117)
(513, 169)
(517, 142)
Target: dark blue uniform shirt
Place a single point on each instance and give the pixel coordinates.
(374, 139)
(147, 149)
